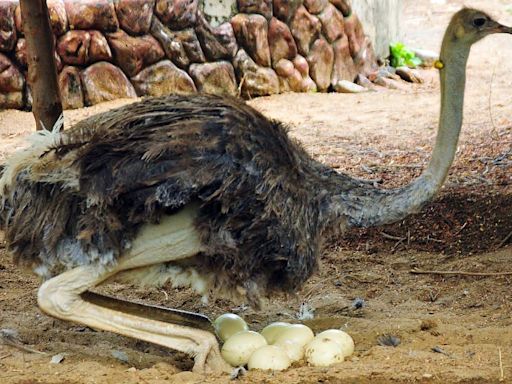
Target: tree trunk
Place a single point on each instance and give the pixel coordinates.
(42, 70)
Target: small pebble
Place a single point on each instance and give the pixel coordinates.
(408, 74)
(388, 341)
(363, 81)
(8, 333)
(389, 83)
(120, 355)
(358, 303)
(345, 86)
(387, 72)
(56, 359)
(438, 349)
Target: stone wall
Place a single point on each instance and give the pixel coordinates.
(108, 49)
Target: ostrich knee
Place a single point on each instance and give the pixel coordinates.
(55, 300)
(60, 296)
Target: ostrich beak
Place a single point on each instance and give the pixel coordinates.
(500, 28)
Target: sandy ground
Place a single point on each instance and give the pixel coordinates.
(453, 328)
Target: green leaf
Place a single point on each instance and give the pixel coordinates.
(401, 56)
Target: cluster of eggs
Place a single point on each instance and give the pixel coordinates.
(279, 344)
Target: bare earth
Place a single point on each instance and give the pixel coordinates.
(385, 136)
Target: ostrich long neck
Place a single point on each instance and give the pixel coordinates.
(372, 206)
(453, 81)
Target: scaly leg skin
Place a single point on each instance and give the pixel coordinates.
(60, 297)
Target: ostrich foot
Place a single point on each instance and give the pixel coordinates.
(209, 360)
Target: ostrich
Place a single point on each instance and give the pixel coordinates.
(202, 191)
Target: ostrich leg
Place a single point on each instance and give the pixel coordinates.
(60, 297)
(65, 296)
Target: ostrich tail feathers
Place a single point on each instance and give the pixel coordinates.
(57, 127)
(47, 137)
(23, 160)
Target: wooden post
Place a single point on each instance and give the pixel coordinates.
(42, 70)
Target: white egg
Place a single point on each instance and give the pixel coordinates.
(238, 348)
(298, 333)
(342, 338)
(271, 331)
(269, 357)
(323, 352)
(294, 350)
(228, 324)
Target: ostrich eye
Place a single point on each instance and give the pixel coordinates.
(479, 22)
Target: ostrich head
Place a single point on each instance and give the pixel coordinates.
(470, 25)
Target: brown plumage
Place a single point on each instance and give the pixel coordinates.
(243, 208)
(264, 202)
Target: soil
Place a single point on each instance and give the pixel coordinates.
(452, 328)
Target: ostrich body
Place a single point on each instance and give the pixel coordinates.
(200, 190)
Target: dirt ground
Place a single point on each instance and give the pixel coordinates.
(452, 328)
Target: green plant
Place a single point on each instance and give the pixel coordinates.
(402, 56)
